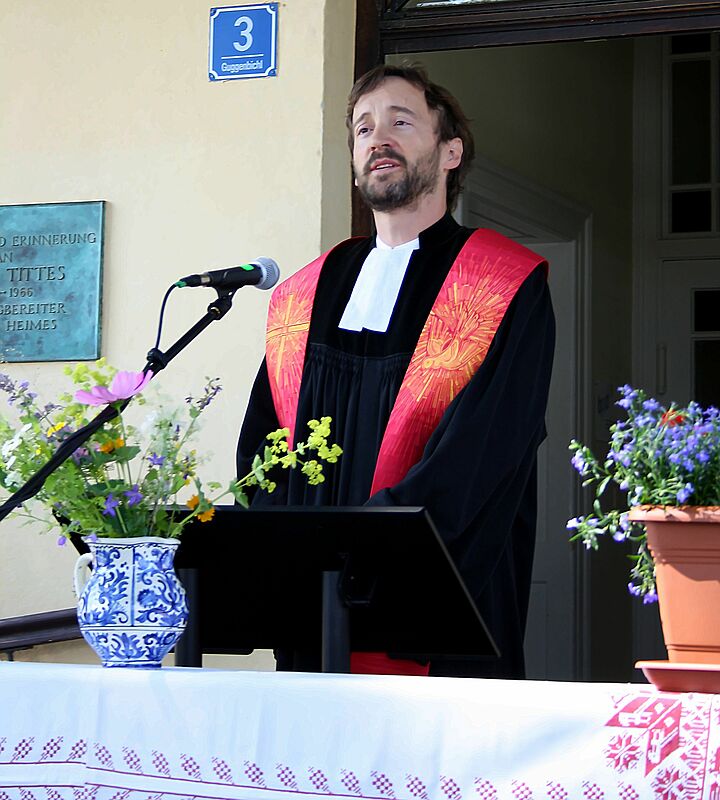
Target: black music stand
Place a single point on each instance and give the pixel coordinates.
(338, 579)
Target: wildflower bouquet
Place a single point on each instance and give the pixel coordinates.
(658, 457)
(127, 481)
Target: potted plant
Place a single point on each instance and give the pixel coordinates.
(666, 462)
(129, 492)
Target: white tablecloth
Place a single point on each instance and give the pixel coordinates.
(88, 733)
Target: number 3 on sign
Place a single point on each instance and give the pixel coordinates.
(245, 34)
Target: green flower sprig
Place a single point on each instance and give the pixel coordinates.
(128, 481)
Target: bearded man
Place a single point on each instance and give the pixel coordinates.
(430, 345)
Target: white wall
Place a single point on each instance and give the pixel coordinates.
(111, 101)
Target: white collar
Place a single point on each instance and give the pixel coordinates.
(377, 287)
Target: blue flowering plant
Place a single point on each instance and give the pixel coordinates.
(127, 480)
(657, 457)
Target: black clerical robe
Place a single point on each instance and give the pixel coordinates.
(477, 476)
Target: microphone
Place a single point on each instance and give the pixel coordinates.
(262, 273)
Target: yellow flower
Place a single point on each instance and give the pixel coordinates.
(206, 516)
(193, 502)
(56, 428)
(114, 444)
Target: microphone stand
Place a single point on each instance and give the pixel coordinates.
(157, 361)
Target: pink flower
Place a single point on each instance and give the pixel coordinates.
(124, 385)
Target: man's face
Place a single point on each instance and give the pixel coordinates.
(396, 152)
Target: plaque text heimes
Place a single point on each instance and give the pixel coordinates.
(50, 278)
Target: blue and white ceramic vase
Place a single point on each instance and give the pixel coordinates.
(131, 607)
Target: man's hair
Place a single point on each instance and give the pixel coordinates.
(452, 122)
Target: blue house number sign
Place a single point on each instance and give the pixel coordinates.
(243, 42)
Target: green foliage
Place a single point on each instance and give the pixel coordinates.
(127, 482)
(657, 457)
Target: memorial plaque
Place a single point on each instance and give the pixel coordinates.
(50, 280)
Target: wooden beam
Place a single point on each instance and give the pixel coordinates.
(17, 633)
(535, 21)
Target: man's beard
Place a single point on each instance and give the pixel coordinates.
(392, 193)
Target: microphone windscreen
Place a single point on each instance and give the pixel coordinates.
(270, 270)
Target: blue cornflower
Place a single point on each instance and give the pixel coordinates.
(651, 404)
(110, 505)
(134, 495)
(685, 492)
(156, 460)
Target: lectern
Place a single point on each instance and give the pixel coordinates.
(338, 579)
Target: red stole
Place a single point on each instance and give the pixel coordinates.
(472, 301)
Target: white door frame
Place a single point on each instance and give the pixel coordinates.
(652, 249)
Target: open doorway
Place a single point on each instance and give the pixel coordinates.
(559, 118)
(591, 124)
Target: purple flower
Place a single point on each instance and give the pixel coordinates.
(156, 460)
(650, 597)
(579, 463)
(110, 505)
(572, 524)
(685, 492)
(634, 590)
(91, 537)
(133, 495)
(124, 385)
(703, 457)
(651, 405)
(61, 541)
(628, 395)
(80, 454)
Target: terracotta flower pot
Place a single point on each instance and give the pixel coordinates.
(685, 545)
